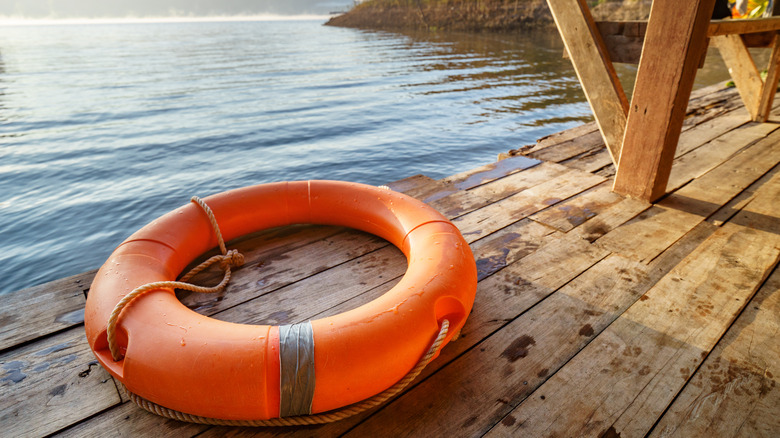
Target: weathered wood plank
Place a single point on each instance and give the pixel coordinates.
(706, 104)
(716, 106)
(735, 391)
(730, 27)
(610, 219)
(267, 270)
(675, 40)
(57, 305)
(410, 183)
(128, 421)
(703, 159)
(739, 202)
(320, 291)
(742, 69)
(448, 200)
(459, 194)
(650, 233)
(590, 161)
(570, 148)
(708, 96)
(594, 69)
(490, 172)
(763, 210)
(517, 182)
(486, 220)
(691, 138)
(458, 203)
(50, 384)
(567, 215)
(657, 228)
(709, 192)
(509, 245)
(622, 381)
(560, 137)
(706, 131)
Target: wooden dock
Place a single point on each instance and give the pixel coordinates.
(596, 315)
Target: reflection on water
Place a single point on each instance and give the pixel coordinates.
(107, 126)
(520, 64)
(517, 74)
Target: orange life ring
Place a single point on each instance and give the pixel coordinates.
(182, 360)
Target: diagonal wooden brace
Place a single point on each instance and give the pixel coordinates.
(594, 69)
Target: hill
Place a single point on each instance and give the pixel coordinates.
(473, 15)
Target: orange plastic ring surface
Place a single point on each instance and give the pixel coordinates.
(188, 362)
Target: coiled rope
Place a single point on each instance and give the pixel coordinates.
(226, 260)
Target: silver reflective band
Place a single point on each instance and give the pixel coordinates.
(296, 359)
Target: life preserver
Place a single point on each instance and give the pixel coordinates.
(182, 360)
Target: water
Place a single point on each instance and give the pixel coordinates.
(104, 127)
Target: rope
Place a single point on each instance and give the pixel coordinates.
(305, 420)
(225, 260)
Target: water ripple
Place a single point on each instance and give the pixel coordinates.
(105, 127)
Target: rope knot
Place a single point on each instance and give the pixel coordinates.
(232, 258)
(226, 260)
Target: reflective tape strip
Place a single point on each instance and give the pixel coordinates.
(296, 357)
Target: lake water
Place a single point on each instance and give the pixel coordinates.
(104, 127)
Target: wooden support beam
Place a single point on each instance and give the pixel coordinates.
(594, 69)
(624, 39)
(732, 27)
(769, 88)
(763, 39)
(676, 36)
(742, 70)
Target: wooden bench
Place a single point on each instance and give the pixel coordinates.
(641, 136)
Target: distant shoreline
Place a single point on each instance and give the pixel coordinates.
(25, 21)
(472, 16)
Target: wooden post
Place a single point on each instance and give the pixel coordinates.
(676, 36)
(742, 70)
(594, 69)
(770, 83)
